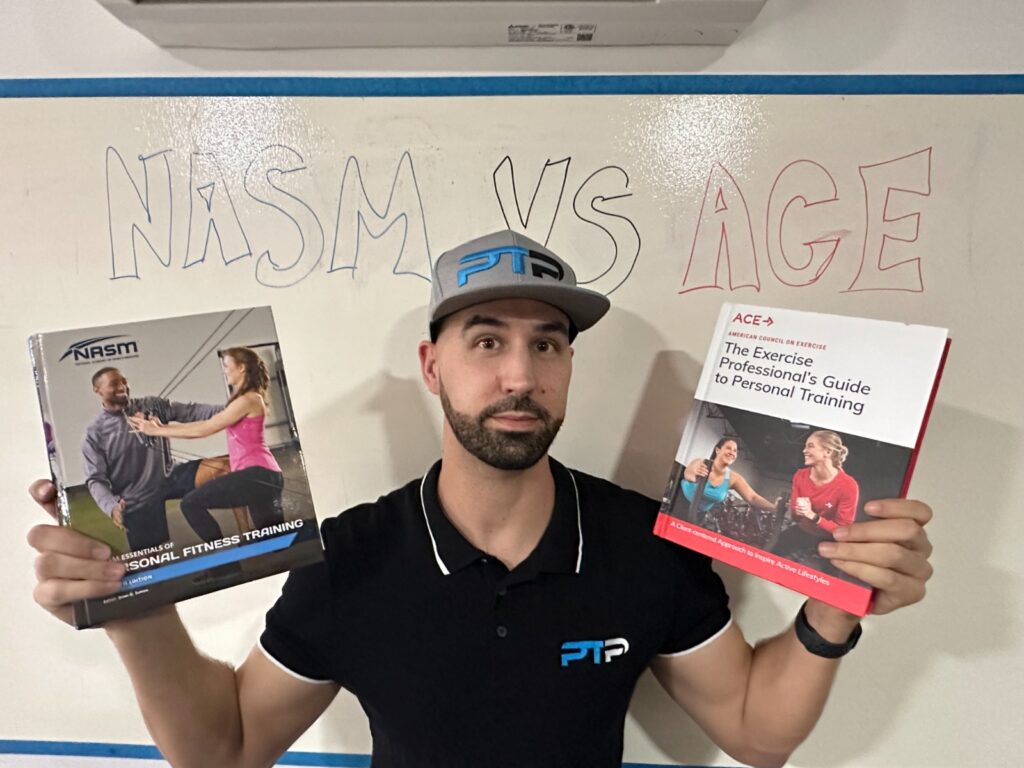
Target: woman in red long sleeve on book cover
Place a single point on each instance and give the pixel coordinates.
(823, 497)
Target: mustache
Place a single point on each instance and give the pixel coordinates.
(521, 403)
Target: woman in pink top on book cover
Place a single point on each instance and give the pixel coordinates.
(255, 480)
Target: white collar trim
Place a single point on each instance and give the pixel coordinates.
(430, 532)
(433, 542)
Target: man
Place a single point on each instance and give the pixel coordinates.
(129, 474)
(499, 610)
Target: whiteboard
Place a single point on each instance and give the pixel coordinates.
(885, 197)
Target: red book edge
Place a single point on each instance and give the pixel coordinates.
(850, 597)
(924, 421)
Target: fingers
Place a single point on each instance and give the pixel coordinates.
(905, 532)
(912, 509)
(879, 555)
(44, 493)
(894, 589)
(66, 541)
(51, 566)
(889, 553)
(71, 567)
(57, 595)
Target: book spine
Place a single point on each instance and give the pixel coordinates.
(924, 422)
(35, 348)
(80, 609)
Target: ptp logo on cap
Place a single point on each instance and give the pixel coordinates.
(540, 265)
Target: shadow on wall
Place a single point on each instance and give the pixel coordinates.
(402, 417)
(645, 462)
(653, 435)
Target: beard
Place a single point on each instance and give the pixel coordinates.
(119, 402)
(502, 449)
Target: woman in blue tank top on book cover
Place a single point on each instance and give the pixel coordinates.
(710, 480)
(255, 479)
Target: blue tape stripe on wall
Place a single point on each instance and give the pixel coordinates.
(513, 85)
(147, 752)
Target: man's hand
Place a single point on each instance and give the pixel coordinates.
(890, 553)
(117, 513)
(70, 566)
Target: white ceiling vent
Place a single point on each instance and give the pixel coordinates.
(292, 24)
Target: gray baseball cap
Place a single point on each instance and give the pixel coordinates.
(508, 265)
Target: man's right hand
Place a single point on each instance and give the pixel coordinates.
(70, 566)
(117, 514)
(198, 710)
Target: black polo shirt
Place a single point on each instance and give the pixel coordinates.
(458, 661)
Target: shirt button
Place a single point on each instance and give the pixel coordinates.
(502, 630)
(503, 591)
(483, 560)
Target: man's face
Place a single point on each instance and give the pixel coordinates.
(502, 371)
(112, 389)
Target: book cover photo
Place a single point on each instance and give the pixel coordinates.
(799, 419)
(174, 442)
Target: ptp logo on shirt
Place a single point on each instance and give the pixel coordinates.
(599, 651)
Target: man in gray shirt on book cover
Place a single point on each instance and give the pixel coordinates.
(130, 475)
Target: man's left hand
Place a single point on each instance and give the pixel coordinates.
(890, 553)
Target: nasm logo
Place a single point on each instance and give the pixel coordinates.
(597, 651)
(101, 348)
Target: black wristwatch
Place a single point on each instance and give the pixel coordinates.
(817, 644)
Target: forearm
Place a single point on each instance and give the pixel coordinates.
(192, 411)
(825, 524)
(189, 701)
(186, 430)
(843, 517)
(788, 686)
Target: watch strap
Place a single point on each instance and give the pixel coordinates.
(817, 644)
